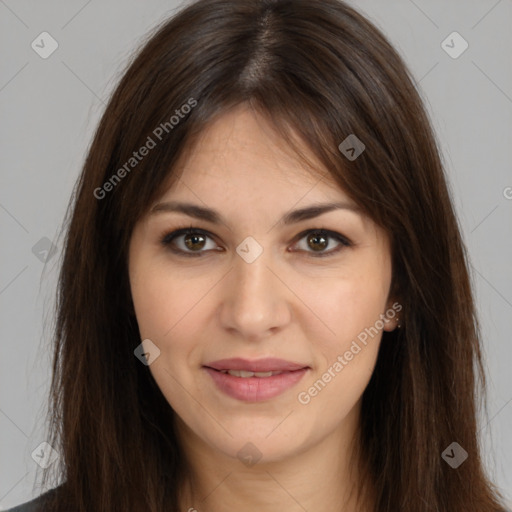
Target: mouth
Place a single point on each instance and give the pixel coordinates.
(255, 381)
(268, 364)
(244, 374)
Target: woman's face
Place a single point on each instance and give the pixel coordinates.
(255, 286)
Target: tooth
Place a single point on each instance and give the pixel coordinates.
(246, 374)
(240, 373)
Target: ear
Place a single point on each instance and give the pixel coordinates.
(393, 316)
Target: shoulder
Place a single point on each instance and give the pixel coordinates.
(35, 505)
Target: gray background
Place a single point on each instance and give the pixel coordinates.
(50, 107)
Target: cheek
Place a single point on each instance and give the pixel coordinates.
(348, 305)
(151, 304)
(163, 300)
(350, 309)
(167, 308)
(344, 362)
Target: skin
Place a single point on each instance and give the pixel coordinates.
(287, 303)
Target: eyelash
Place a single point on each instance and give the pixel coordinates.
(169, 237)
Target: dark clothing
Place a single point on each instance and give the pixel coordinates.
(35, 505)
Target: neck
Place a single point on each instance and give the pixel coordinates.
(323, 476)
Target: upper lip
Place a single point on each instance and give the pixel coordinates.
(270, 364)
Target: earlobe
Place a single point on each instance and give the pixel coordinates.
(392, 325)
(393, 316)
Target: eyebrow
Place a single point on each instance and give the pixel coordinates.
(213, 216)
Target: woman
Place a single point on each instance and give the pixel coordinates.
(264, 302)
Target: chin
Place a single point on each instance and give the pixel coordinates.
(262, 442)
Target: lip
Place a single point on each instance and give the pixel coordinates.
(255, 389)
(269, 364)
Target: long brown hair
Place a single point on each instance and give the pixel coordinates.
(318, 69)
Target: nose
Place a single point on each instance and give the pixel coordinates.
(255, 300)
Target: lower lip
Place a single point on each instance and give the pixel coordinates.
(255, 389)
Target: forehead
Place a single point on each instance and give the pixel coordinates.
(240, 170)
(240, 152)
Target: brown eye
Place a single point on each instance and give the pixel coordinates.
(194, 241)
(317, 242)
(189, 242)
(319, 239)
